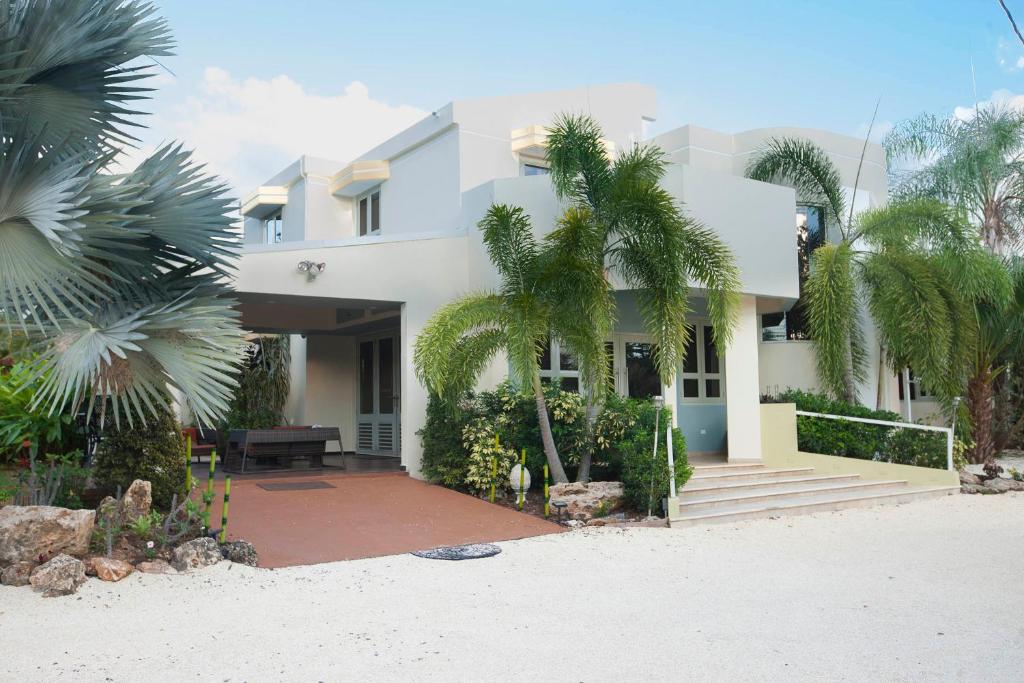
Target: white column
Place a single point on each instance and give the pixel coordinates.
(742, 388)
(414, 395)
(295, 406)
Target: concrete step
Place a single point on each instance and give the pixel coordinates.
(822, 502)
(717, 500)
(701, 488)
(728, 467)
(739, 475)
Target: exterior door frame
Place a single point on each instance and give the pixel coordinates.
(619, 370)
(377, 432)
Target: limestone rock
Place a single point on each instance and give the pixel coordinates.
(155, 567)
(137, 500)
(583, 501)
(60, 576)
(195, 554)
(240, 551)
(29, 533)
(969, 478)
(109, 569)
(17, 574)
(1002, 484)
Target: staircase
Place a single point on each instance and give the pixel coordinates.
(730, 492)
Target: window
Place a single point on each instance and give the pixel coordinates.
(273, 228)
(565, 373)
(369, 212)
(917, 389)
(810, 234)
(702, 378)
(535, 168)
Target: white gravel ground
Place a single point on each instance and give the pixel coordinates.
(925, 591)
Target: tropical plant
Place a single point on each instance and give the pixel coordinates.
(121, 280)
(153, 451)
(21, 420)
(914, 263)
(975, 164)
(263, 384)
(629, 224)
(462, 337)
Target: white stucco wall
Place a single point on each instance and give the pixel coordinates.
(331, 376)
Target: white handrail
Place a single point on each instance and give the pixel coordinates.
(887, 423)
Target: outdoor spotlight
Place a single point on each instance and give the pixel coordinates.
(311, 269)
(659, 401)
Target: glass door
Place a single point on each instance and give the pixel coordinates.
(633, 370)
(378, 424)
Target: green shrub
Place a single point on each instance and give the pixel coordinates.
(154, 452)
(863, 441)
(444, 457)
(21, 421)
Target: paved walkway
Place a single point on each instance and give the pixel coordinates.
(352, 515)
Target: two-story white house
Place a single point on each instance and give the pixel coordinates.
(395, 232)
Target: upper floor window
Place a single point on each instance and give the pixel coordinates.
(810, 234)
(368, 206)
(535, 168)
(273, 228)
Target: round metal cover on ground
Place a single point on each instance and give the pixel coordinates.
(470, 551)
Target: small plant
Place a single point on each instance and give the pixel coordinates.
(603, 509)
(145, 526)
(1016, 474)
(478, 439)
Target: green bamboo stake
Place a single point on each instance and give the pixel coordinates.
(188, 465)
(547, 493)
(494, 471)
(208, 494)
(522, 479)
(224, 511)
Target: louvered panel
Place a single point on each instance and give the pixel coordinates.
(385, 437)
(364, 437)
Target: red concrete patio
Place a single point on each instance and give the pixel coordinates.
(308, 518)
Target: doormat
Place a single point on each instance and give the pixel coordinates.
(470, 551)
(296, 485)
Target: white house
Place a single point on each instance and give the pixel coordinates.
(352, 258)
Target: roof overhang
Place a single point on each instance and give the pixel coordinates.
(264, 201)
(359, 176)
(531, 142)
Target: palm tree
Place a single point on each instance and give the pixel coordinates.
(118, 280)
(914, 263)
(639, 233)
(541, 287)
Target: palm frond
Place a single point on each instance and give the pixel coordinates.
(807, 168)
(508, 237)
(834, 317)
(580, 168)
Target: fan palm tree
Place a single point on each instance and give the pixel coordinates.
(118, 280)
(914, 263)
(540, 294)
(639, 233)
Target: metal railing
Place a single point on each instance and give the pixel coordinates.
(886, 423)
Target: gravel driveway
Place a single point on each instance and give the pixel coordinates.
(885, 593)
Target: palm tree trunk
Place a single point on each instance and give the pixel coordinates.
(554, 463)
(981, 408)
(849, 385)
(589, 445)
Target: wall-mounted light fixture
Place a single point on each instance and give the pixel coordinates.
(311, 269)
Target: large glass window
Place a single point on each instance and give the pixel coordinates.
(368, 213)
(810, 234)
(273, 228)
(535, 169)
(565, 373)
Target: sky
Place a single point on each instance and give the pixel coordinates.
(255, 84)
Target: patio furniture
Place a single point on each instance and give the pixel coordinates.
(203, 443)
(248, 446)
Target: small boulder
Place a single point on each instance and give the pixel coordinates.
(137, 500)
(196, 554)
(241, 552)
(584, 501)
(155, 567)
(60, 576)
(29, 532)
(969, 478)
(109, 569)
(1002, 484)
(17, 574)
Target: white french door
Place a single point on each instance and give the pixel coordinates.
(377, 395)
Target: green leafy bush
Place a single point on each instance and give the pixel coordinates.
(863, 441)
(458, 441)
(154, 451)
(263, 385)
(21, 421)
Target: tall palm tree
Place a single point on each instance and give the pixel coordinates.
(638, 232)
(541, 287)
(119, 280)
(914, 263)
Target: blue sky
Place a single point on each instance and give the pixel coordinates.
(725, 65)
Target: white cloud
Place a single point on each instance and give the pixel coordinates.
(248, 130)
(1001, 98)
(878, 131)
